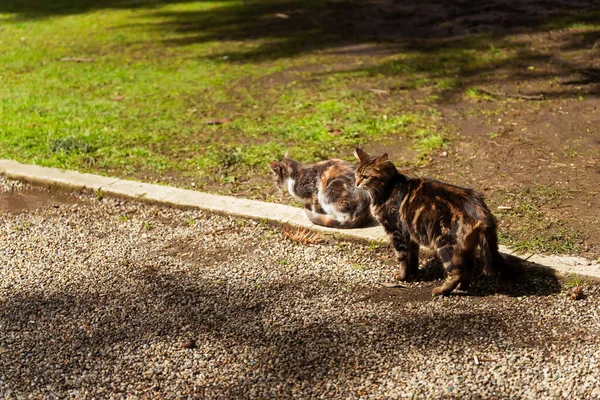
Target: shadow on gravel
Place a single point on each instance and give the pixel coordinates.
(536, 280)
(70, 332)
(530, 279)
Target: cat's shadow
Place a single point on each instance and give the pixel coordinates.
(529, 279)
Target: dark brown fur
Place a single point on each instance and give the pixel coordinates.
(327, 191)
(452, 220)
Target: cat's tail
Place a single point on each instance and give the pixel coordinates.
(503, 267)
(331, 222)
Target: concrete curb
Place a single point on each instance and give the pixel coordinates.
(239, 207)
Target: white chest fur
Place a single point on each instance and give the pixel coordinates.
(329, 208)
(290, 183)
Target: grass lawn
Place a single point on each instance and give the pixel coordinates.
(139, 104)
(205, 93)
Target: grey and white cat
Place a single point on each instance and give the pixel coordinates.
(327, 190)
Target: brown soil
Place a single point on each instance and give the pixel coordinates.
(556, 147)
(33, 199)
(509, 146)
(504, 146)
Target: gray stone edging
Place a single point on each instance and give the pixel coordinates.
(237, 206)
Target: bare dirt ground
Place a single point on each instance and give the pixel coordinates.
(529, 137)
(104, 298)
(544, 165)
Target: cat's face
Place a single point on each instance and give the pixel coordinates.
(372, 170)
(282, 170)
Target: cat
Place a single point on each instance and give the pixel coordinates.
(451, 220)
(326, 189)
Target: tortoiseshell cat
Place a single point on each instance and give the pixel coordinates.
(451, 220)
(326, 189)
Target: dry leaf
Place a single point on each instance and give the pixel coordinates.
(282, 16)
(577, 293)
(301, 235)
(117, 98)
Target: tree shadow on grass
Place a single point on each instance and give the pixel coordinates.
(296, 26)
(306, 25)
(39, 9)
(452, 44)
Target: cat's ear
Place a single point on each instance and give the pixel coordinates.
(360, 154)
(274, 166)
(287, 154)
(381, 158)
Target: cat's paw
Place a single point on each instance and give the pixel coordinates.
(401, 274)
(438, 291)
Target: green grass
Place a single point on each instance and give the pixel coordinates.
(477, 94)
(140, 107)
(573, 281)
(358, 267)
(528, 228)
(160, 70)
(426, 142)
(189, 222)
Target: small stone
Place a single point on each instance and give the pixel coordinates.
(189, 344)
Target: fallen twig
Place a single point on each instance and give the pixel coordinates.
(379, 91)
(218, 121)
(528, 257)
(78, 60)
(513, 95)
(392, 285)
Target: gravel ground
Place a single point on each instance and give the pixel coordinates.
(103, 298)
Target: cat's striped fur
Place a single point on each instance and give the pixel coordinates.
(452, 220)
(326, 189)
